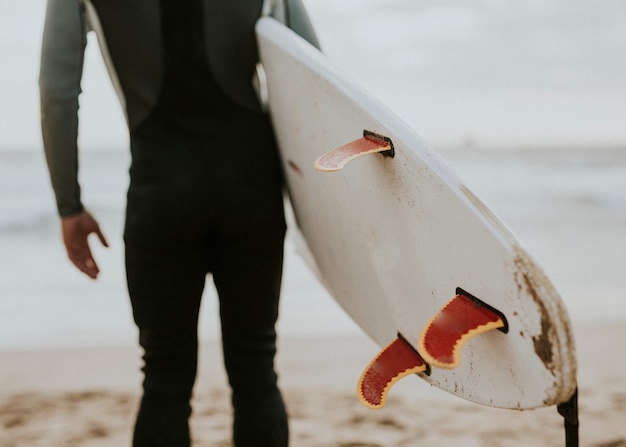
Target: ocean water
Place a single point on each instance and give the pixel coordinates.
(568, 208)
(526, 104)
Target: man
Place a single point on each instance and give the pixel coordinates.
(205, 193)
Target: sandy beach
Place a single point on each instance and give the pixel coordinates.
(87, 397)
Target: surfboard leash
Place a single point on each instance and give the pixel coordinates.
(569, 411)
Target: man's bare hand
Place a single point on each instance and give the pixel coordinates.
(76, 231)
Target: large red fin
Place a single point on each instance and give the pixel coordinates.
(461, 319)
(397, 360)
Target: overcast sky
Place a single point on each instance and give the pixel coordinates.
(487, 73)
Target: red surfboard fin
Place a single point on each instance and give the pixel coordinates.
(371, 143)
(463, 318)
(397, 360)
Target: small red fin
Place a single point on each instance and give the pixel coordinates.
(454, 325)
(336, 159)
(395, 361)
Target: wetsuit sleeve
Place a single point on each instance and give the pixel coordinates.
(298, 20)
(62, 56)
(292, 13)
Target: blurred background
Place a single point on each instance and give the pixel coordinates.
(525, 100)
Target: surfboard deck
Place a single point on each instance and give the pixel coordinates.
(392, 239)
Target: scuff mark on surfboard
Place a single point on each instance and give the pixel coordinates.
(555, 348)
(543, 345)
(530, 277)
(294, 167)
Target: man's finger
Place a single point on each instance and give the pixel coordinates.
(80, 255)
(101, 237)
(88, 267)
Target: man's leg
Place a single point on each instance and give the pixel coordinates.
(165, 291)
(247, 275)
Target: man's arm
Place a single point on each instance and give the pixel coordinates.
(293, 14)
(299, 21)
(62, 56)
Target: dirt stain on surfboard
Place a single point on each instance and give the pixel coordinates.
(542, 342)
(550, 344)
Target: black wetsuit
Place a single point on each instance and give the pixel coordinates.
(205, 197)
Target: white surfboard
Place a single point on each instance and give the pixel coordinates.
(392, 239)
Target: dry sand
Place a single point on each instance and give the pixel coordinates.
(87, 398)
